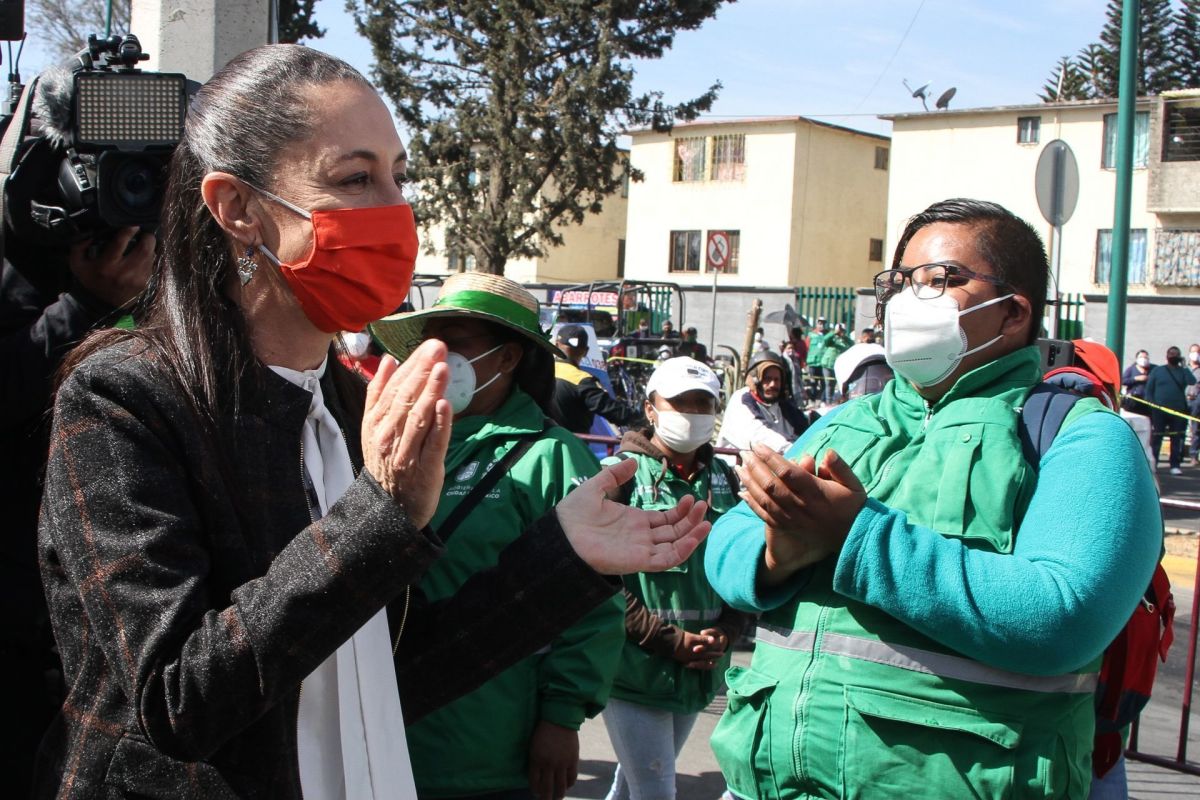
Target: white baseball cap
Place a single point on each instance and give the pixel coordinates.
(675, 376)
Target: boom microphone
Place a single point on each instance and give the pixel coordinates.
(52, 104)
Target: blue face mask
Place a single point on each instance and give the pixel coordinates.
(461, 388)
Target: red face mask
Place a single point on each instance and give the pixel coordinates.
(360, 266)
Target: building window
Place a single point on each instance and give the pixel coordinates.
(1028, 129)
(625, 184)
(1176, 257)
(1141, 140)
(729, 157)
(881, 158)
(1182, 139)
(731, 263)
(876, 250)
(685, 251)
(1137, 255)
(689, 159)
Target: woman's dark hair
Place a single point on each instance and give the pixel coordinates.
(534, 374)
(1007, 242)
(238, 123)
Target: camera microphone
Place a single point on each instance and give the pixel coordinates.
(52, 104)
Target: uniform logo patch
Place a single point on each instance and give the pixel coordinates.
(467, 471)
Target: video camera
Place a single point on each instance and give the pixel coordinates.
(91, 146)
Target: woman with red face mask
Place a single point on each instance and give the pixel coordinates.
(228, 511)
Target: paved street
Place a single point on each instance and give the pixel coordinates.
(699, 778)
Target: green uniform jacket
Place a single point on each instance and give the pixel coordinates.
(835, 345)
(816, 347)
(480, 742)
(680, 597)
(837, 688)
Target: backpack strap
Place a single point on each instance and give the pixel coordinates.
(1045, 410)
(485, 485)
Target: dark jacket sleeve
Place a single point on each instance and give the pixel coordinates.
(648, 630)
(601, 402)
(538, 588)
(119, 521)
(36, 332)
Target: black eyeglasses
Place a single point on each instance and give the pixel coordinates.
(928, 280)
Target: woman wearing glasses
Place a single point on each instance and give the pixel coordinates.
(934, 606)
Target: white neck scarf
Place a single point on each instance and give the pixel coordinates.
(350, 730)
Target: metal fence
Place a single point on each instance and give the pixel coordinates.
(834, 303)
(1070, 316)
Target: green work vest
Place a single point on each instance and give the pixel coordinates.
(842, 700)
(480, 742)
(681, 595)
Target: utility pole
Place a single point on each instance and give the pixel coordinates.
(1118, 274)
(198, 37)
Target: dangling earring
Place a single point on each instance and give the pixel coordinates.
(246, 266)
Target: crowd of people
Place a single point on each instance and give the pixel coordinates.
(268, 577)
(1169, 395)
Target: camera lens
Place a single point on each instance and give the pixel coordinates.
(135, 185)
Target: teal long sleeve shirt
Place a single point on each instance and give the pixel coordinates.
(1050, 606)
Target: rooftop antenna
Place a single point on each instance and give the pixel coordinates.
(920, 93)
(943, 102)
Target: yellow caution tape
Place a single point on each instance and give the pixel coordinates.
(1163, 409)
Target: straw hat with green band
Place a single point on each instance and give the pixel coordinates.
(477, 295)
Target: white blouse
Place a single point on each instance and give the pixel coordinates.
(350, 727)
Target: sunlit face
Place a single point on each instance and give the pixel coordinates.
(949, 243)
(770, 384)
(353, 159)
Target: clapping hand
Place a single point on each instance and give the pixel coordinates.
(808, 511)
(406, 429)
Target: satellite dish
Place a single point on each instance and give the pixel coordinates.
(943, 102)
(920, 93)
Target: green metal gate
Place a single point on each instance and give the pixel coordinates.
(834, 303)
(1070, 317)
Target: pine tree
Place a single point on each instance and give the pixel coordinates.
(514, 108)
(1066, 82)
(1090, 64)
(1186, 51)
(1156, 70)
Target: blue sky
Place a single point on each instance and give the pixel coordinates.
(782, 57)
(828, 59)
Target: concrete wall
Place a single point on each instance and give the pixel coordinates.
(976, 154)
(841, 204)
(1151, 323)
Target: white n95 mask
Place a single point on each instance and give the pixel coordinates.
(684, 433)
(922, 339)
(462, 388)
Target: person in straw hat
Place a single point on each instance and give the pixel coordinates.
(517, 735)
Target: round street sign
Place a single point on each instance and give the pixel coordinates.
(1056, 183)
(718, 249)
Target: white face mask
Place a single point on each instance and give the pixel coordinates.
(1143, 362)
(1194, 357)
(922, 338)
(356, 344)
(462, 388)
(684, 433)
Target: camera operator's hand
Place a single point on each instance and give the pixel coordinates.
(113, 275)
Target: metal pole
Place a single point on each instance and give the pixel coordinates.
(712, 343)
(1056, 258)
(1118, 278)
